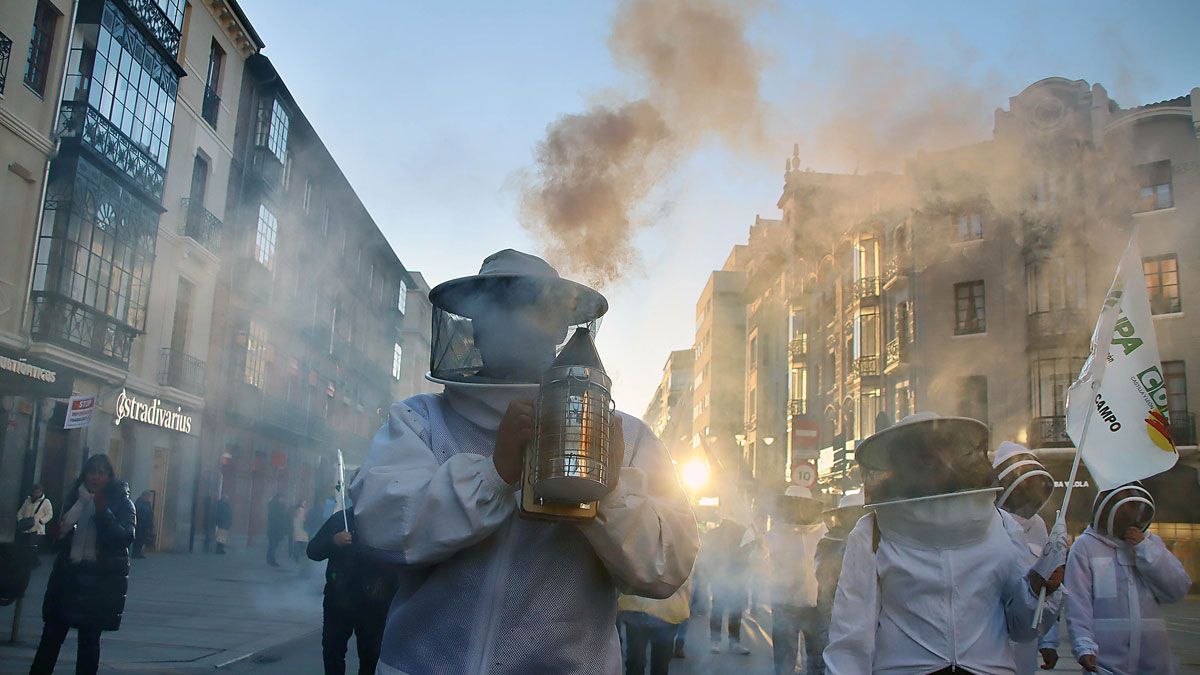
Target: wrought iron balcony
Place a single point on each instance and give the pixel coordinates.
(281, 417)
(81, 329)
(184, 372)
(897, 353)
(81, 121)
(201, 225)
(1183, 427)
(1049, 432)
(211, 106)
(866, 366)
(798, 347)
(865, 290)
(253, 279)
(895, 270)
(163, 28)
(5, 52)
(1054, 326)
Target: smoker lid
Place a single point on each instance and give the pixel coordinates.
(511, 279)
(580, 350)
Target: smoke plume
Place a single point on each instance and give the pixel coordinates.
(594, 169)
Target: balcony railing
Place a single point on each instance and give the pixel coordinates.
(162, 27)
(201, 225)
(82, 329)
(253, 279)
(1183, 428)
(865, 289)
(1049, 432)
(80, 120)
(211, 106)
(897, 352)
(798, 347)
(866, 366)
(184, 372)
(1057, 324)
(5, 52)
(894, 270)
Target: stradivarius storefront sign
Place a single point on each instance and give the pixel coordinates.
(129, 407)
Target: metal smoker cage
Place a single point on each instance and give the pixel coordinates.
(572, 436)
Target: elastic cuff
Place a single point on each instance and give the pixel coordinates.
(492, 482)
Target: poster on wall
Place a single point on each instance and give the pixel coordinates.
(79, 412)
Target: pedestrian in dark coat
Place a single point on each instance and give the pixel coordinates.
(87, 587)
(358, 591)
(145, 521)
(224, 522)
(278, 526)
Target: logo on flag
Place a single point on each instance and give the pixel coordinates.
(1124, 430)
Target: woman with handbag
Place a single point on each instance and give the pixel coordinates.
(87, 587)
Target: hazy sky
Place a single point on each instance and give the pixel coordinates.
(430, 108)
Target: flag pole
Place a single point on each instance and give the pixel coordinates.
(342, 487)
(1061, 517)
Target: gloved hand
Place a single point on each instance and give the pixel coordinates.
(1054, 553)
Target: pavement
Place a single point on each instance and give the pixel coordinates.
(199, 612)
(186, 612)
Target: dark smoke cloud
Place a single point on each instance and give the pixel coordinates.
(593, 170)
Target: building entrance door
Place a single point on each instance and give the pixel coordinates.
(158, 485)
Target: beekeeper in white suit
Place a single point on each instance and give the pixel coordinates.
(481, 590)
(1026, 487)
(1118, 578)
(931, 581)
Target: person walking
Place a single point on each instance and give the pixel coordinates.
(35, 512)
(224, 522)
(827, 566)
(931, 581)
(358, 590)
(1118, 578)
(653, 623)
(482, 589)
(87, 586)
(299, 533)
(726, 551)
(145, 519)
(278, 527)
(791, 554)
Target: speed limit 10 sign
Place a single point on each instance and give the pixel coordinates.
(805, 475)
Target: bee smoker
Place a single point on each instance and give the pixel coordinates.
(568, 462)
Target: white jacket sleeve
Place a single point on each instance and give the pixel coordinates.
(851, 647)
(1161, 570)
(413, 511)
(644, 531)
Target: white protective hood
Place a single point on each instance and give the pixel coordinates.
(952, 520)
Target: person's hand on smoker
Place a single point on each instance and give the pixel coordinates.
(1049, 658)
(516, 428)
(1133, 535)
(1088, 661)
(343, 539)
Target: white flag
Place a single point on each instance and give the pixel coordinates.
(1128, 434)
(339, 490)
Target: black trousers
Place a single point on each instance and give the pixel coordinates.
(788, 623)
(87, 660)
(272, 544)
(339, 625)
(660, 639)
(138, 545)
(720, 608)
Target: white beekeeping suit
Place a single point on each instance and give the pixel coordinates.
(1116, 589)
(1026, 487)
(931, 579)
(480, 589)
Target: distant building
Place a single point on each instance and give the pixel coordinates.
(669, 413)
